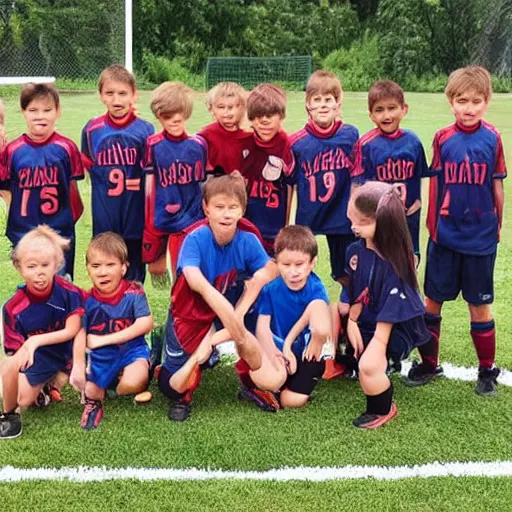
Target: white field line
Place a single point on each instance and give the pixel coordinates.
(450, 371)
(9, 474)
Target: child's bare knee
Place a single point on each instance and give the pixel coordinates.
(291, 399)
(368, 368)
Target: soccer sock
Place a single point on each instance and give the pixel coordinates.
(380, 404)
(242, 369)
(484, 339)
(430, 351)
(193, 382)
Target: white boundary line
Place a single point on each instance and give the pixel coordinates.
(10, 474)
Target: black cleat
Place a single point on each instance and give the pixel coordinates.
(419, 374)
(179, 411)
(10, 425)
(487, 385)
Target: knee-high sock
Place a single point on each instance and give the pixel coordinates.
(484, 339)
(430, 351)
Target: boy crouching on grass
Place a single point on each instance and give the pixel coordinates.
(116, 319)
(221, 269)
(294, 319)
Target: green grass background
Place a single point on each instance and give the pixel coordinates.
(445, 421)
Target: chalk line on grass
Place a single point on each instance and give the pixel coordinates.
(10, 474)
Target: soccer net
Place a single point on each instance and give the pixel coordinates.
(72, 39)
(290, 72)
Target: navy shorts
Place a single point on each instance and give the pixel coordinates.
(306, 377)
(338, 245)
(449, 272)
(105, 363)
(413, 223)
(405, 336)
(48, 361)
(136, 269)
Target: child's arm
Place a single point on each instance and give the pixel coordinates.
(77, 378)
(413, 208)
(264, 336)
(71, 328)
(382, 333)
(499, 199)
(291, 191)
(219, 304)
(142, 325)
(353, 332)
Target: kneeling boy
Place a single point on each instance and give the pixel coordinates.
(117, 318)
(294, 319)
(221, 263)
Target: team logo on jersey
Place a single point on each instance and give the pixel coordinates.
(353, 262)
(273, 168)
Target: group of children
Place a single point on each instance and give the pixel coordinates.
(218, 205)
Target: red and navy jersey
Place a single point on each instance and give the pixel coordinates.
(221, 266)
(116, 313)
(323, 173)
(224, 147)
(39, 177)
(462, 210)
(266, 167)
(393, 158)
(26, 314)
(374, 284)
(112, 154)
(176, 169)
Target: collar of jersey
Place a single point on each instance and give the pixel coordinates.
(172, 138)
(35, 296)
(123, 122)
(36, 143)
(315, 130)
(272, 143)
(395, 135)
(113, 298)
(468, 129)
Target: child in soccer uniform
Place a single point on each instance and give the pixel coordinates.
(40, 322)
(386, 315)
(222, 267)
(393, 155)
(267, 163)
(294, 319)
(226, 102)
(175, 164)
(113, 146)
(464, 218)
(40, 170)
(117, 318)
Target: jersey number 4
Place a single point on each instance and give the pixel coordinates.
(49, 200)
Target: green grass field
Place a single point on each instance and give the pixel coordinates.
(445, 421)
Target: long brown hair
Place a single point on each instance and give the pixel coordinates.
(392, 239)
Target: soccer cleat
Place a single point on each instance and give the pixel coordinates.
(394, 367)
(333, 369)
(487, 384)
(43, 399)
(92, 415)
(371, 421)
(419, 374)
(54, 393)
(155, 358)
(10, 425)
(265, 400)
(212, 362)
(179, 411)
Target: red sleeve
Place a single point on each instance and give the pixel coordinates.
(436, 164)
(500, 169)
(77, 167)
(357, 158)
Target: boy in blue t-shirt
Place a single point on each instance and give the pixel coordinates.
(464, 218)
(113, 147)
(117, 318)
(393, 155)
(175, 164)
(294, 319)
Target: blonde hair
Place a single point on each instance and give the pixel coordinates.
(226, 90)
(110, 244)
(172, 98)
(117, 73)
(475, 78)
(324, 82)
(41, 239)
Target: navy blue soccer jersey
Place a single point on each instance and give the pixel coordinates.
(113, 155)
(286, 306)
(393, 158)
(39, 176)
(176, 169)
(323, 174)
(266, 168)
(25, 314)
(116, 313)
(221, 266)
(373, 283)
(462, 210)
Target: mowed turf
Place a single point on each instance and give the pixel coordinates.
(442, 422)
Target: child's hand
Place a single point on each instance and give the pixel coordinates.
(93, 341)
(77, 378)
(292, 360)
(314, 348)
(26, 353)
(355, 338)
(204, 351)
